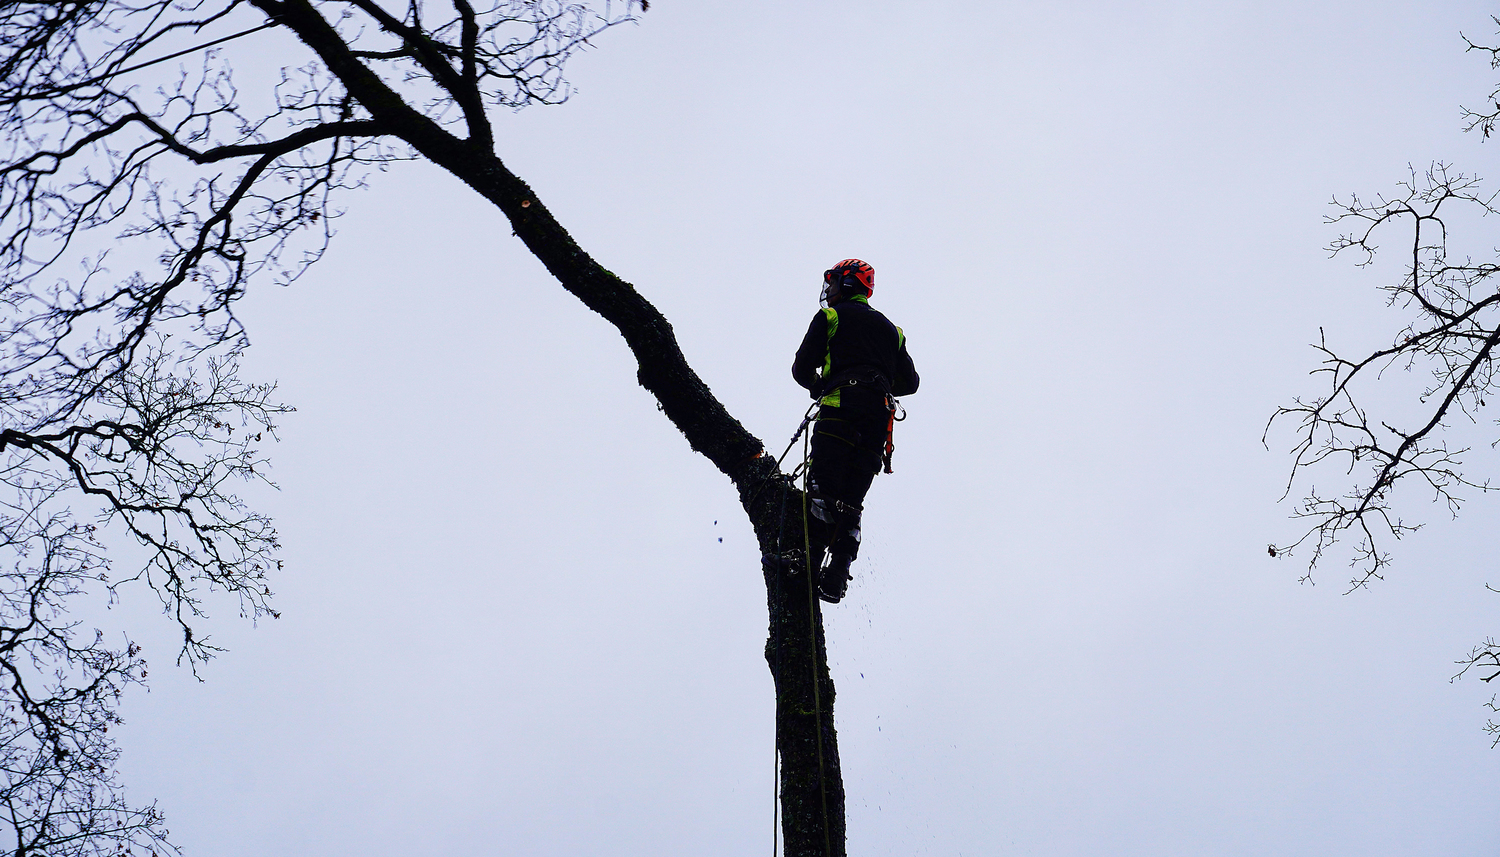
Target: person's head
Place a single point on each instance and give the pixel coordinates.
(846, 279)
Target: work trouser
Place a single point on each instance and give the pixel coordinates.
(847, 443)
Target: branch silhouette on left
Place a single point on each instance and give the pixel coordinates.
(119, 394)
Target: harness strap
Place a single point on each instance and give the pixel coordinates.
(837, 504)
(890, 437)
(892, 406)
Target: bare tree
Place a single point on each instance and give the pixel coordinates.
(1450, 335)
(1366, 432)
(155, 449)
(123, 123)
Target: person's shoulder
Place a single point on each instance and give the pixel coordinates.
(875, 313)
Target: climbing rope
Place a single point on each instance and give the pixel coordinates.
(812, 616)
(776, 471)
(787, 481)
(812, 623)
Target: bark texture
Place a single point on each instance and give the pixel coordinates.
(812, 784)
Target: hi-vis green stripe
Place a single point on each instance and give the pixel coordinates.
(832, 316)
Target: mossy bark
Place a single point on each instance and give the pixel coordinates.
(812, 784)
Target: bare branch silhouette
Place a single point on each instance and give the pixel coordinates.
(1450, 337)
(122, 126)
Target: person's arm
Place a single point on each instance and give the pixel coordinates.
(808, 365)
(906, 381)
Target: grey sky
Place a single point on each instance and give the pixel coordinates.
(510, 626)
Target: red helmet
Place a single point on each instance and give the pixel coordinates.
(850, 275)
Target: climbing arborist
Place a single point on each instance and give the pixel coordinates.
(854, 362)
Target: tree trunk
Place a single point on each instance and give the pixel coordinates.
(812, 788)
(812, 791)
(812, 785)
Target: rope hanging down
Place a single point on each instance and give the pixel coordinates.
(812, 617)
(775, 562)
(812, 637)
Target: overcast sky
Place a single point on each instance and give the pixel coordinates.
(521, 617)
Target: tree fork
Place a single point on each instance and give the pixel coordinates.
(795, 649)
(812, 792)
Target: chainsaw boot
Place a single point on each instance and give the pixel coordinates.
(833, 579)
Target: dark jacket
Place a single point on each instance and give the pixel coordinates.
(852, 342)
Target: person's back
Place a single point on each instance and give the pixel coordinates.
(852, 340)
(853, 360)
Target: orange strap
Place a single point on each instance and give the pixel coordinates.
(890, 433)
